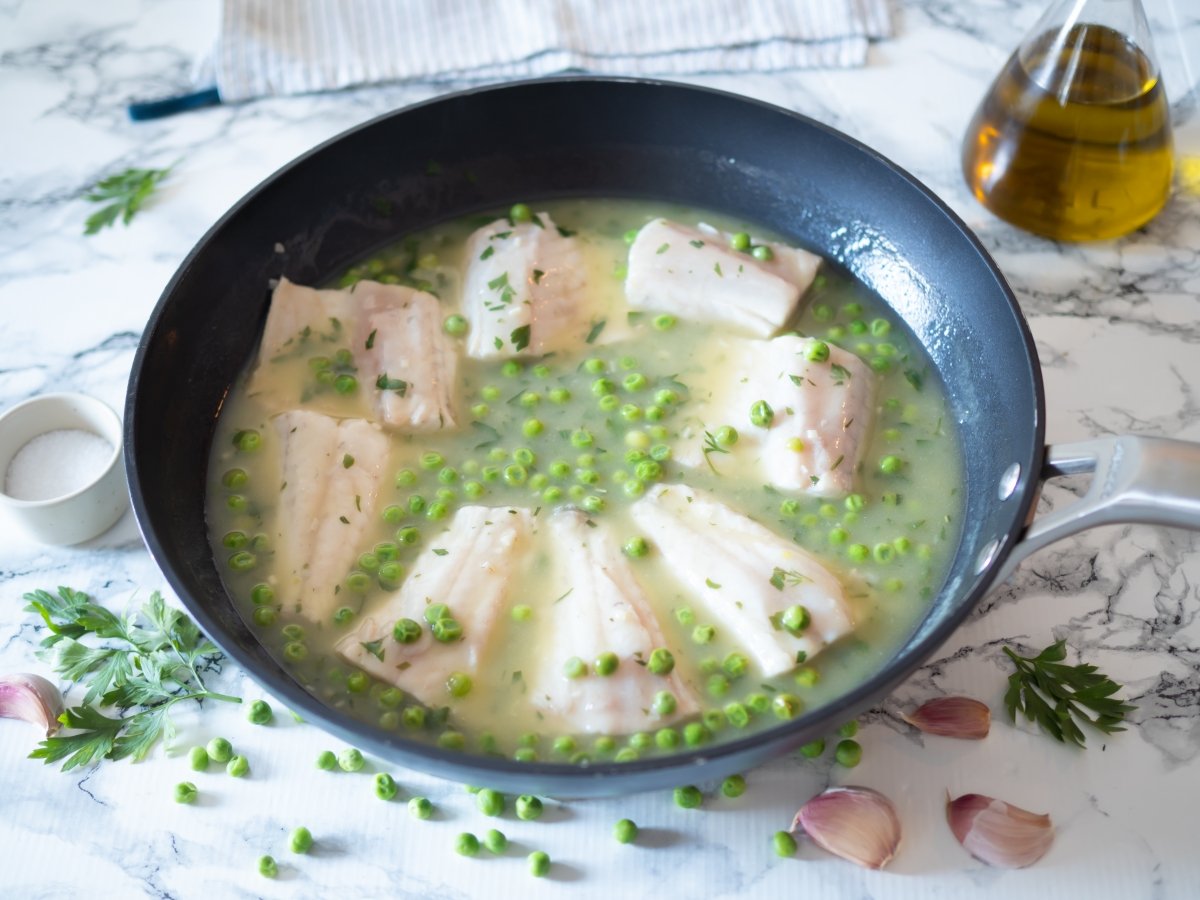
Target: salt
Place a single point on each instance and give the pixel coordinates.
(56, 464)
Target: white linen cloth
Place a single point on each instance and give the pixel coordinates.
(270, 47)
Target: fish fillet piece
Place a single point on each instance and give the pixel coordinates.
(695, 274)
(822, 412)
(484, 549)
(742, 574)
(407, 345)
(605, 611)
(303, 317)
(523, 291)
(331, 473)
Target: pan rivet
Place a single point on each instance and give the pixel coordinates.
(986, 555)
(1008, 481)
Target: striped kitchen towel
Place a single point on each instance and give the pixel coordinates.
(271, 47)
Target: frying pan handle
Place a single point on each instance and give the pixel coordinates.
(1150, 480)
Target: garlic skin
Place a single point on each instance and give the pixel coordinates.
(855, 823)
(999, 833)
(955, 717)
(32, 698)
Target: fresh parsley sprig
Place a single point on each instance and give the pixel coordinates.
(148, 660)
(711, 446)
(1055, 695)
(127, 191)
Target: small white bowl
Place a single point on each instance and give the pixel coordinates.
(91, 508)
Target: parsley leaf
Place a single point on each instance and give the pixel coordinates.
(1055, 695)
(147, 660)
(127, 190)
(520, 338)
(595, 331)
(711, 446)
(391, 384)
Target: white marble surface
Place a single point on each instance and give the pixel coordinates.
(1118, 329)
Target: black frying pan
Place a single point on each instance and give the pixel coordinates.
(540, 140)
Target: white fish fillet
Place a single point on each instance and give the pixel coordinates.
(695, 274)
(726, 561)
(325, 505)
(523, 291)
(484, 549)
(827, 407)
(328, 317)
(404, 329)
(605, 611)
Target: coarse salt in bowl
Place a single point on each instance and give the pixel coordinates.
(61, 476)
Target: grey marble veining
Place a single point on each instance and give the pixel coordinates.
(1117, 327)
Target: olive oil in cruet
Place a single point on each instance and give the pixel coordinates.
(1073, 139)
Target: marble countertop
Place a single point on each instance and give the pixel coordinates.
(1117, 327)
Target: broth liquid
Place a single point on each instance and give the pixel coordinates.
(1073, 141)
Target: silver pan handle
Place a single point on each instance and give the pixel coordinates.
(1151, 480)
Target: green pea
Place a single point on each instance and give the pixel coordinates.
(510, 369)
(633, 488)
(262, 594)
(858, 552)
(480, 411)
(606, 664)
(849, 729)
(760, 703)
(458, 684)
(784, 844)
(604, 744)
(326, 760)
(737, 715)
(259, 712)
(391, 697)
(185, 792)
(763, 253)
(220, 750)
(813, 749)
(385, 786)
(587, 476)
(490, 473)
(235, 478)
(243, 561)
(466, 844)
(603, 386)
(539, 864)
(685, 616)
(648, 470)
(446, 631)
(528, 807)
(806, 677)
(300, 840)
(520, 213)
(655, 413)
(521, 613)
(637, 546)
(451, 740)
(267, 867)
(625, 831)
(664, 322)
(594, 366)
(238, 767)
(695, 734)
(688, 797)
(581, 437)
(660, 453)
(880, 327)
(717, 685)
(530, 399)
(848, 753)
(416, 504)
(495, 841)
(234, 540)
(818, 351)
(858, 326)
(345, 384)
(574, 667)
(665, 397)
(890, 465)
(198, 759)
(666, 739)
(359, 582)
(838, 535)
(413, 717)
(725, 436)
(532, 427)
(733, 786)
(455, 325)
(661, 661)
(761, 414)
(420, 808)
(351, 760)
(559, 395)
(515, 474)
(592, 504)
(786, 706)
(735, 664)
(389, 720)
(795, 618)
(552, 494)
(883, 553)
(564, 745)
(635, 381)
(704, 634)
(631, 412)
(248, 440)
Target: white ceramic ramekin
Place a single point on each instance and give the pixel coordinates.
(83, 513)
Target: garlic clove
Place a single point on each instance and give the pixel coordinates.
(956, 717)
(999, 833)
(855, 823)
(32, 698)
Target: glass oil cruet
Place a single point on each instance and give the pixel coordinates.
(1073, 139)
